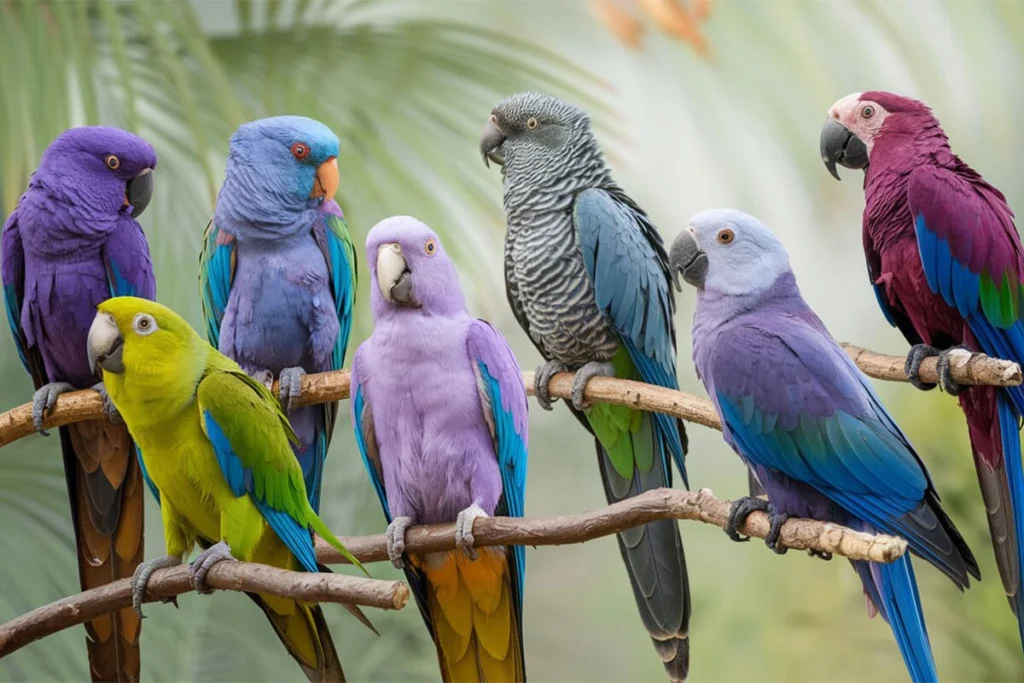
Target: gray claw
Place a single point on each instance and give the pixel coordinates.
(464, 529)
(953, 356)
(290, 388)
(44, 400)
(200, 567)
(396, 540)
(541, 380)
(141, 577)
(108, 406)
(584, 375)
(912, 368)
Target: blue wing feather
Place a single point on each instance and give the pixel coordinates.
(216, 272)
(625, 259)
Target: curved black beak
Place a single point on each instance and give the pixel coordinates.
(139, 191)
(490, 145)
(840, 146)
(687, 259)
(105, 345)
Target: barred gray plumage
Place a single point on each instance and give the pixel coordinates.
(549, 157)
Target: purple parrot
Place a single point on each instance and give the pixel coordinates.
(440, 412)
(71, 243)
(807, 422)
(947, 267)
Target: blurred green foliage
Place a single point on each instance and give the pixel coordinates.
(407, 85)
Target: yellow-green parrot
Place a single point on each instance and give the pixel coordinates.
(215, 452)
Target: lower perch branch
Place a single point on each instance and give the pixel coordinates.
(701, 506)
(168, 583)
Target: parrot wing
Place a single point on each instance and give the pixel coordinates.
(216, 273)
(503, 398)
(626, 261)
(791, 401)
(972, 257)
(334, 240)
(13, 272)
(250, 435)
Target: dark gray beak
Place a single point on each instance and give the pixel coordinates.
(139, 191)
(687, 259)
(105, 345)
(840, 146)
(490, 145)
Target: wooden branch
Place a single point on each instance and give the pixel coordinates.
(979, 369)
(78, 406)
(701, 506)
(168, 583)
(798, 534)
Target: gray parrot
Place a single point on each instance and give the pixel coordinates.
(587, 276)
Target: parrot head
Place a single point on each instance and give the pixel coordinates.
(859, 121)
(277, 168)
(728, 252)
(411, 270)
(108, 170)
(145, 352)
(532, 134)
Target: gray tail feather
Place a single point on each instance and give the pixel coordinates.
(654, 559)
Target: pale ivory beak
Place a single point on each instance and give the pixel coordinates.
(390, 268)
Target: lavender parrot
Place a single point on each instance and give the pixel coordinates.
(71, 243)
(440, 413)
(586, 275)
(806, 420)
(278, 270)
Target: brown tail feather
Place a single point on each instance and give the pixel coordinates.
(107, 500)
(309, 621)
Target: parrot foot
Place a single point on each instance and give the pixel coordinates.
(200, 567)
(912, 368)
(290, 388)
(541, 380)
(954, 356)
(264, 377)
(141, 577)
(775, 520)
(396, 540)
(738, 514)
(44, 400)
(109, 409)
(464, 529)
(583, 376)
(820, 554)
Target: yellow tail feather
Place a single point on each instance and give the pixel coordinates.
(475, 622)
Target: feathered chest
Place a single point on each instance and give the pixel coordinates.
(550, 290)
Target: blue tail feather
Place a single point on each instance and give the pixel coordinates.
(1009, 431)
(893, 589)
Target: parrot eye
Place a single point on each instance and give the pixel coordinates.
(144, 324)
(494, 120)
(112, 162)
(300, 150)
(532, 123)
(430, 247)
(867, 112)
(725, 236)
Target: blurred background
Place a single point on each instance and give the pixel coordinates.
(698, 103)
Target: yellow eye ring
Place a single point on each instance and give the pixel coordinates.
(430, 247)
(112, 162)
(532, 123)
(725, 236)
